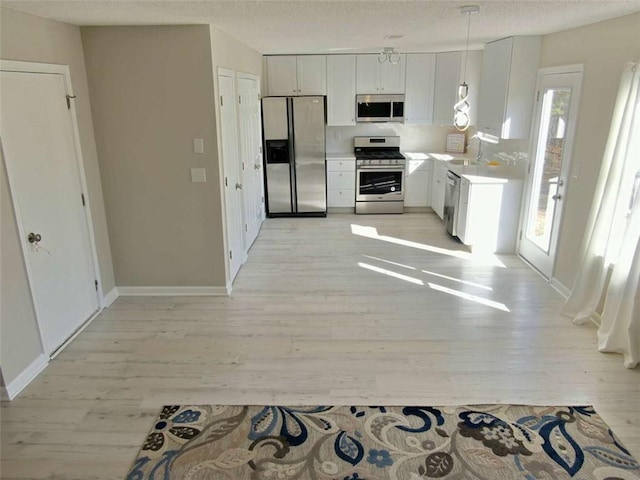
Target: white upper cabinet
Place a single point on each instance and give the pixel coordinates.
(420, 79)
(374, 77)
(291, 75)
(281, 72)
(312, 74)
(446, 86)
(341, 90)
(507, 86)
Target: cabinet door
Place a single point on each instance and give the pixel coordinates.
(416, 188)
(341, 90)
(438, 190)
(368, 74)
(392, 76)
(446, 87)
(281, 72)
(420, 79)
(472, 77)
(312, 74)
(496, 63)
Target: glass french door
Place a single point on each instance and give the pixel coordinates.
(555, 117)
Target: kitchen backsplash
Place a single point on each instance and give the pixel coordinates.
(413, 138)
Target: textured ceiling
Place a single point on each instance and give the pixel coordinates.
(310, 26)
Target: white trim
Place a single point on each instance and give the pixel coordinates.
(11, 391)
(51, 68)
(172, 291)
(575, 68)
(561, 288)
(110, 297)
(229, 288)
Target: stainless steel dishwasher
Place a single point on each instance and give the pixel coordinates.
(451, 198)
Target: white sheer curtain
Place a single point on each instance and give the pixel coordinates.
(610, 267)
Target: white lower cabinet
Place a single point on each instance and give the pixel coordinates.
(417, 183)
(438, 184)
(488, 213)
(341, 182)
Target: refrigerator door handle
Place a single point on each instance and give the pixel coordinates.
(292, 155)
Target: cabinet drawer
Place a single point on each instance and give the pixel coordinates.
(341, 165)
(341, 180)
(341, 198)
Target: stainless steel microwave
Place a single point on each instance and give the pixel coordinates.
(380, 108)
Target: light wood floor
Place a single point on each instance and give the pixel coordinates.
(343, 310)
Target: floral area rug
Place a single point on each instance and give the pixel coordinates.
(381, 443)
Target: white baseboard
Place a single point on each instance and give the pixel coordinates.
(229, 288)
(172, 291)
(560, 287)
(110, 297)
(10, 391)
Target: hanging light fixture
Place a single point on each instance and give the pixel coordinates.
(461, 117)
(390, 55)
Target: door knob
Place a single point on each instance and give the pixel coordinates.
(256, 166)
(560, 183)
(34, 237)
(238, 186)
(557, 197)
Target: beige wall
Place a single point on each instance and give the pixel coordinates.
(28, 38)
(152, 93)
(232, 54)
(603, 48)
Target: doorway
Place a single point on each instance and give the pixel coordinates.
(555, 114)
(41, 150)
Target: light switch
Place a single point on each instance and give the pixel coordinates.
(198, 145)
(198, 175)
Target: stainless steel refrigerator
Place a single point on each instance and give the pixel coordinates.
(294, 144)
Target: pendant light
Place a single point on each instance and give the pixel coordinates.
(390, 55)
(461, 117)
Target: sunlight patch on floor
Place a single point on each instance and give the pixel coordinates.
(457, 280)
(384, 271)
(468, 296)
(390, 262)
(477, 259)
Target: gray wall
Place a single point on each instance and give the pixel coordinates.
(28, 38)
(152, 93)
(603, 48)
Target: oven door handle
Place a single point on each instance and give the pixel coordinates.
(380, 167)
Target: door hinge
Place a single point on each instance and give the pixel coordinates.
(520, 234)
(69, 97)
(262, 199)
(242, 165)
(230, 255)
(221, 101)
(260, 149)
(226, 182)
(82, 197)
(538, 96)
(240, 99)
(96, 284)
(245, 228)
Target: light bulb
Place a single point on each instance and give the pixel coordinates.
(461, 118)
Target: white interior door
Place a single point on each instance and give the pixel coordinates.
(42, 164)
(251, 154)
(551, 146)
(232, 178)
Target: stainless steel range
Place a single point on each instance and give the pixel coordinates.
(379, 175)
